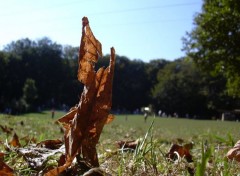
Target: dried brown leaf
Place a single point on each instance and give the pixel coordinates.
(83, 124)
(182, 151)
(90, 50)
(128, 144)
(62, 160)
(15, 141)
(99, 114)
(69, 116)
(110, 118)
(50, 144)
(234, 153)
(6, 129)
(60, 169)
(5, 170)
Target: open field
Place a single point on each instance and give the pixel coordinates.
(171, 128)
(215, 137)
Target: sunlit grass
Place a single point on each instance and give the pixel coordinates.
(38, 125)
(157, 138)
(170, 128)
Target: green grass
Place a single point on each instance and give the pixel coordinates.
(211, 139)
(215, 136)
(171, 128)
(38, 125)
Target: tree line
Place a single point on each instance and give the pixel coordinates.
(43, 74)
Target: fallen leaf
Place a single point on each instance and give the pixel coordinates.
(128, 144)
(6, 129)
(50, 144)
(15, 141)
(56, 171)
(182, 151)
(5, 170)
(234, 153)
(62, 160)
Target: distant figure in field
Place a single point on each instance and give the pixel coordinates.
(53, 113)
(145, 117)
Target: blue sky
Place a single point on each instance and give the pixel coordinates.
(138, 29)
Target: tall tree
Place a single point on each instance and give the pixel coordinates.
(152, 69)
(30, 94)
(179, 89)
(214, 41)
(3, 79)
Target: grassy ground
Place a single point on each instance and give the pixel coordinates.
(170, 128)
(38, 125)
(211, 140)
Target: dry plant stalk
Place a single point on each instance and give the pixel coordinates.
(83, 124)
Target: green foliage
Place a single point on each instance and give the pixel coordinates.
(29, 93)
(228, 141)
(143, 149)
(214, 42)
(152, 69)
(206, 154)
(43, 62)
(173, 86)
(179, 89)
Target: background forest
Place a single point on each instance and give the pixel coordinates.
(41, 74)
